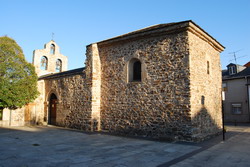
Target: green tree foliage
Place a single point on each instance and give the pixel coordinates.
(18, 80)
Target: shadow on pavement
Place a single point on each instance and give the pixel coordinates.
(232, 131)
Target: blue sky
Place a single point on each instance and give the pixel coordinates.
(77, 23)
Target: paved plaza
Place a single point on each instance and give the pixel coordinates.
(53, 146)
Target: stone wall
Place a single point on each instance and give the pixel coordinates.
(13, 117)
(205, 76)
(74, 100)
(179, 96)
(157, 107)
(35, 112)
(94, 79)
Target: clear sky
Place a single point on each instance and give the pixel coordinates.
(77, 23)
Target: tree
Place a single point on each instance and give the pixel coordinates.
(18, 80)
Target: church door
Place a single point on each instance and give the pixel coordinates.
(52, 109)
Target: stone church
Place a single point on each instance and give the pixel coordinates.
(162, 82)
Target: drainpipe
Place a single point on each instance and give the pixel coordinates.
(222, 114)
(248, 99)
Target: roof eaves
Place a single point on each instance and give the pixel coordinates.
(197, 30)
(62, 74)
(232, 78)
(173, 27)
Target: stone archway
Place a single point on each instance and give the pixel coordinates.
(52, 109)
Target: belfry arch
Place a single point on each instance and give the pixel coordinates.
(49, 60)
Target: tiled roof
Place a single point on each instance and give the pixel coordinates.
(62, 74)
(247, 64)
(175, 26)
(241, 74)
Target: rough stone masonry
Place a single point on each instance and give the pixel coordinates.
(162, 82)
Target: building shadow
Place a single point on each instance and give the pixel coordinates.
(205, 125)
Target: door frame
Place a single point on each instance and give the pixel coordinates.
(52, 109)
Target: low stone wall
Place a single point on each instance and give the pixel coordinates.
(13, 117)
(4, 123)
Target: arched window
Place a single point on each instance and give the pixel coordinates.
(58, 65)
(44, 63)
(135, 72)
(208, 68)
(52, 49)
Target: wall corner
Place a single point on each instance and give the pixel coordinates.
(95, 88)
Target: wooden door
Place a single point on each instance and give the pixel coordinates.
(53, 111)
(30, 114)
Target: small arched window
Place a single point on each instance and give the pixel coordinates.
(203, 100)
(44, 63)
(58, 65)
(208, 68)
(52, 49)
(135, 72)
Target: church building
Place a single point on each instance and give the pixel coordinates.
(161, 82)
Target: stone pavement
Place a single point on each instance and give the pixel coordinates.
(52, 146)
(234, 152)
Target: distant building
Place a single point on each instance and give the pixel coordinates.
(236, 88)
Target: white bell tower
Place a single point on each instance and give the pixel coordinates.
(49, 60)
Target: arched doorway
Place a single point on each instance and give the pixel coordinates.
(52, 109)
